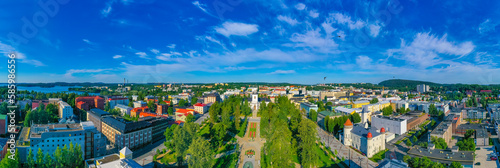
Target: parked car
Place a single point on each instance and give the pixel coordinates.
(478, 163)
(493, 158)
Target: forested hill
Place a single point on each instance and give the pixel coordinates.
(404, 83)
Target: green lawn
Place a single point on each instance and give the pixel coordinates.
(324, 159)
(379, 156)
(168, 158)
(397, 142)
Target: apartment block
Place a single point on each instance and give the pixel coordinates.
(122, 133)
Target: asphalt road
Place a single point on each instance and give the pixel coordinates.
(144, 156)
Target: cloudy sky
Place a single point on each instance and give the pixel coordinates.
(251, 40)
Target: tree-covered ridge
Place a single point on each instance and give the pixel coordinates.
(405, 83)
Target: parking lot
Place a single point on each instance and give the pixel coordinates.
(483, 157)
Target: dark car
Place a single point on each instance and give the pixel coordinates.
(478, 163)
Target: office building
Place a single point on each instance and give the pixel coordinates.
(95, 116)
(124, 109)
(307, 106)
(200, 108)
(116, 101)
(48, 137)
(211, 98)
(443, 130)
(138, 104)
(65, 110)
(89, 102)
(391, 124)
(423, 88)
(122, 133)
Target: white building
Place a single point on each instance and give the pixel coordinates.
(115, 101)
(140, 104)
(347, 111)
(423, 88)
(256, 101)
(394, 125)
(124, 109)
(369, 141)
(65, 110)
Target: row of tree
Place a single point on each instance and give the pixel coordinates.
(425, 162)
(61, 158)
(336, 124)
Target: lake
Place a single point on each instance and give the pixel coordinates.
(54, 89)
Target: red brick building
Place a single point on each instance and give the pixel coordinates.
(90, 102)
(161, 109)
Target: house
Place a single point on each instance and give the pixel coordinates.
(359, 104)
(368, 141)
(307, 106)
(200, 108)
(89, 102)
(124, 109)
(391, 124)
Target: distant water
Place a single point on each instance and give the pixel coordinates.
(54, 89)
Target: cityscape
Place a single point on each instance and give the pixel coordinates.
(247, 84)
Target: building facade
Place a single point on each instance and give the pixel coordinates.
(87, 103)
(122, 133)
(307, 106)
(95, 116)
(116, 101)
(65, 110)
(123, 109)
(368, 141)
(200, 108)
(391, 124)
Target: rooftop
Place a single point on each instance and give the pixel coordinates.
(444, 156)
(124, 126)
(363, 132)
(99, 112)
(441, 128)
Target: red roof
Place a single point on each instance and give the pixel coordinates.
(348, 123)
(121, 98)
(382, 130)
(369, 135)
(200, 104)
(183, 110)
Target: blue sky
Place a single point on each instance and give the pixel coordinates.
(252, 40)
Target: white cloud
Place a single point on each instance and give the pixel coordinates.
(142, 54)
(105, 12)
(282, 72)
(341, 35)
(117, 56)
(6, 50)
(346, 20)
(202, 7)
(69, 73)
(374, 30)
(238, 29)
(328, 28)
(288, 20)
(487, 26)
(155, 51)
(88, 42)
(425, 49)
(300, 6)
(171, 46)
(314, 39)
(313, 13)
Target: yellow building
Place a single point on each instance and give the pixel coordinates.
(359, 104)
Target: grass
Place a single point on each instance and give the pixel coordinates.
(378, 156)
(204, 130)
(398, 142)
(324, 159)
(168, 158)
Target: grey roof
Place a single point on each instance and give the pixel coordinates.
(441, 128)
(443, 156)
(481, 133)
(99, 112)
(360, 131)
(124, 126)
(392, 163)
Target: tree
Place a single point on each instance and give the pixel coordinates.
(307, 136)
(439, 142)
(131, 104)
(194, 100)
(201, 154)
(182, 141)
(170, 111)
(107, 106)
(7, 162)
(373, 101)
(152, 105)
(387, 111)
(408, 143)
(415, 139)
(456, 165)
(280, 144)
(237, 119)
(406, 158)
(313, 115)
(169, 136)
(190, 118)
(468, 133)
(466, 145)
(213, 112)
(355, 118)
(30, 160)
(218, 132)
(39, 158)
